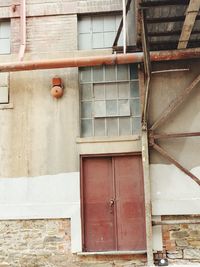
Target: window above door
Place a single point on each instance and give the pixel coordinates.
(110, 103)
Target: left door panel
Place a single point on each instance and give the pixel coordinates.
(98, 190)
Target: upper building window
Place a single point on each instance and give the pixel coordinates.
(4, 37)
(110, 104)
(98, 31)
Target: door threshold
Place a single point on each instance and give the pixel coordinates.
(120, 252)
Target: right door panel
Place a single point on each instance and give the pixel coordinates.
(130, 211)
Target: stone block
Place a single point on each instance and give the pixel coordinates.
(191, 254)
(179, 234)
(178, 254)
(181, 243)
(96, 264)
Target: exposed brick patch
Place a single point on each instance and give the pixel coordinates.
(181, 243)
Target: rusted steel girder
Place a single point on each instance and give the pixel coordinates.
(174, 135)
(100, 60)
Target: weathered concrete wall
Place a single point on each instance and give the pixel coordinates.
(164, 88)
(38, 136)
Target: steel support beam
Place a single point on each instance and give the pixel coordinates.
(146, 174)
(167, 19)
(191, 14)
(175, 104)
(147, 194)
(174, 135)
(169, 33)
(147, 66)
(152, 4)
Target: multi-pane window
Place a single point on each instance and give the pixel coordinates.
(4, 88)
(98, 31)
(110, 104)
(4, 37)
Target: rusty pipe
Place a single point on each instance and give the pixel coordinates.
(22, 30)
(100, 60)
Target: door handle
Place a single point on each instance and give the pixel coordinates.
(112, 202)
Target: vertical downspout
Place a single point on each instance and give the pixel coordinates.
(22, 30)
(124, 25)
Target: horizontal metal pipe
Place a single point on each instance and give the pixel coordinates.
(100, 60)
(174, 222)
(175, 135)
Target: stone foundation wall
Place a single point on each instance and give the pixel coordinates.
(46, 243)
(181, 242)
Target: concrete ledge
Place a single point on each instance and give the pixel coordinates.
(111, 253)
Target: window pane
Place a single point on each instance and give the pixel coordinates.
(99, 127)
(84, 25)
(100, 109)
(5, 46)
(109, 38)
(124, 108)
(109, 24)
(134, 71)
(134, 89)
(85, 41)
(86, 109)
(111, 108)
(135, 107)
(110, 73)
(120, 41)
(122, 72)
(85, 75)
(4, 79)
(123, 90)
(86, 91)
(97, 40)
(97, 24)
(3, 94)
(86, 128)
(124, 126)
(136, 125)
(5, 29)
(99, 91)
(118, 20)
(98, 74)
(112, 126)
(111, 91)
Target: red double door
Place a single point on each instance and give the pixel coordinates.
(113, 203)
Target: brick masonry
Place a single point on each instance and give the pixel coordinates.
(182, 242)
(55, 33)
(46, 243)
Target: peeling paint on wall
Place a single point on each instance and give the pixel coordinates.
(173, 192)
